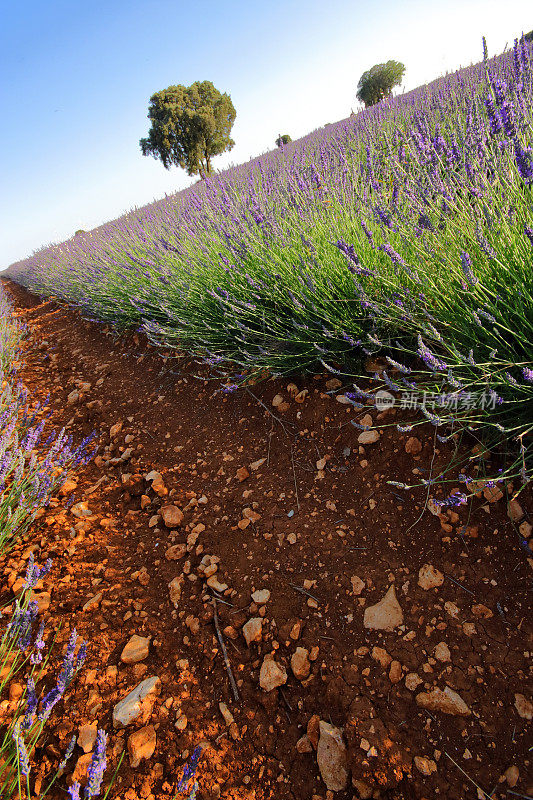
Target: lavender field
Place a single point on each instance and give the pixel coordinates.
(405, 231)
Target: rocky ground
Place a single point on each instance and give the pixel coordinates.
(250, 582)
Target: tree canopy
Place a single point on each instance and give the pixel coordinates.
(189, 125)
(283, 138)
(378, 82)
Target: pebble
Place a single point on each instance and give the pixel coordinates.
(253, 630)
(138, 703)
(303, 745)
(174, 588)
(381, 656)
(395, 672)
(68, 487)
(271, 674)
(413, 681)
(511, 775)
(300, 664)
(442, 652)
(357, 585)
(385, 615)
(141, 745)
(447, 701)
(331, 757)
(135, 650)
(429, 577)
(87, 736)
(514, 511)
(413, 445)
(242, 474)
(523, 706)
(181, 722)
(172, 516)
(368, 437)
(426, 766)
(261, 596)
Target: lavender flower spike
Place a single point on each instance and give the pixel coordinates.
(96, 770)
(466, 264)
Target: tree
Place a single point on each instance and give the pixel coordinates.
(283, 138)
(189, 125)
(528, 36)
(377, 82)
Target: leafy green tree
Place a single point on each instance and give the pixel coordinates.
(189, 125)
(283, 138)
(378, 82)
(529, 36)
(80, 230)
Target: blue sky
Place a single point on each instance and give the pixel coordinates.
(76, 77)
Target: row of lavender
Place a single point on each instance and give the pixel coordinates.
(31, 469)
(406, 231)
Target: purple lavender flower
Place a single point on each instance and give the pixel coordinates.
(96, 770)
(22, 753)
(429, 358)
(393, 255)
(74, 791)
(466, 265)
(528, 374)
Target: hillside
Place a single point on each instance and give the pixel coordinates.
(306, 522)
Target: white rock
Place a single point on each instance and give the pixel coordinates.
(368, 437)
(300, 663)
(447, 701)
(385, 615)
(429, 577)
(131, 707)
(331, 757)
(523, 706)
(261, 596)
(253, 630)
(271, 674)
(135, 650)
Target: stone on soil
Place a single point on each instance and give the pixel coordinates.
(138, 703)
(141, 744)
(426, 766)
(271, 674)
(523, 706)
(429, 577)
(261, 596)
(357, 585)
(442, 652)
(172, 516)
(331, 757)
(368, 437)
(135, 650)
(300, 664)
(87, 736)
(385, 615)
(447, 701)
(253, 630)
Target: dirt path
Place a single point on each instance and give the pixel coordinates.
(327, 543)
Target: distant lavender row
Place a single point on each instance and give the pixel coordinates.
(406, 230)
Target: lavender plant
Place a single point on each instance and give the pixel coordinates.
(31, 467)
(406, 230)
(22, 723)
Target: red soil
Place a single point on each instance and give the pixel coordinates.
(309, 526)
